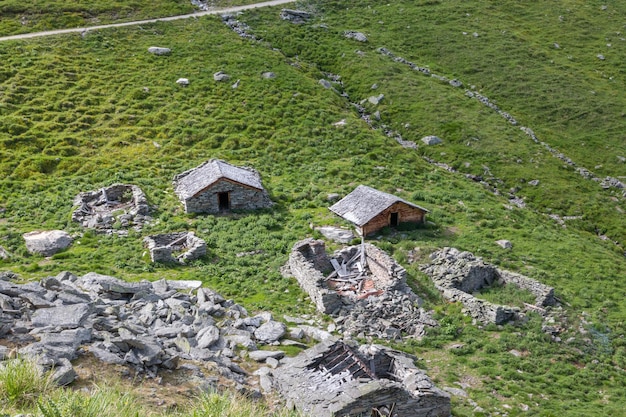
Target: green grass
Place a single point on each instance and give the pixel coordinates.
(35, 16)
(78, 113)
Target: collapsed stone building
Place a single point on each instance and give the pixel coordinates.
(118, 206)
(179, 247)
(362, 287)
(459, 274)
(217, 186)
(334, 378)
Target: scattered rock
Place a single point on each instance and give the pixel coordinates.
(47, 243)
(235, 85)
(4, 254)
(357, 36)
(336, 234)
(376, 99)
(534, 183)
(221, 76)
(431, 140)
(182, 81)
(156, 50)
(504, 244)
(325, 83)
(270, 332)
(297, 17)
(268, 75)
(600, 57)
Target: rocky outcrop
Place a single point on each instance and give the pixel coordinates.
(112, 209)
(48, 242)
(144, 325)
(180, 247)
(380, 305)
(458, 274)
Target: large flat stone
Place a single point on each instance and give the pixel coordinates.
(68, 317)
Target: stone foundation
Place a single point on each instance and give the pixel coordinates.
(108, 209)
(164, 247)
(458, 274)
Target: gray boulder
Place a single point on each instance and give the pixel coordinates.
(337, 234)
(295, 16)
(431, 140)
(262, 355)
(221, 76)
(183, 81)
(504, 244)
(268, 75)
(47, 243)
(63, 373)
(270, 332)
(357, 36)
(157, 50)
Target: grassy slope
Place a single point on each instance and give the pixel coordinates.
(38, 15)
(96, 119)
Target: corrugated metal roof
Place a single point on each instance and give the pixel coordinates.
(189, 183)
(365, 203)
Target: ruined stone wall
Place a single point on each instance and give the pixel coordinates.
(544, 295)
(162, 247)
(305, 259)
(241, 198)
(481, 310)
(457, 274)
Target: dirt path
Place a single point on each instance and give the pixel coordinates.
(141, 22)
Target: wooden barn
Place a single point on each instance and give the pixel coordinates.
(371, 210)
(217, 186)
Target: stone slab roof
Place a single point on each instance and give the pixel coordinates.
(365, 203)
(191, 182)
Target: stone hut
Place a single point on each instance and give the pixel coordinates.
(371, 210)
(336, 379)
(217, 186)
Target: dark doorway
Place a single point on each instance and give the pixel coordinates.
(223, 201)
(394, 220)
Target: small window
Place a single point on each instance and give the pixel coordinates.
(394, 219)
(223, 201)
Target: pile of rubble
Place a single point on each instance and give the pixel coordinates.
(362, 287)
(458, 274)
(146, 326)
(112, 209)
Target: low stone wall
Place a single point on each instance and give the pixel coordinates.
(458, 274)
(544, 295)
(162, 247)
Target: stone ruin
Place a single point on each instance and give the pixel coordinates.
(362, 287)
(109, 209)
(337, 379)
(180, 247)
(459, 274)
(145, 326)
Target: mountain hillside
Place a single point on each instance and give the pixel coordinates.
(527, 100)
